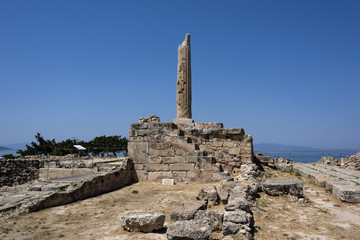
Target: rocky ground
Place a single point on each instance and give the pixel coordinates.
(323, 217)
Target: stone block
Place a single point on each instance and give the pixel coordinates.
(234, 151)
(282, 186)
(173, 160)
(237, 216)
(158, 167)
(142, 221)
(189, 230)
(213, 217)
(182, 167)
(139, 166)
(188, 210)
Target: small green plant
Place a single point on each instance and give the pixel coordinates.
(218, 230)
(297, 173)
(61, 235)
(135, 191)
(63, 188)
(329, 190)
(323, 210)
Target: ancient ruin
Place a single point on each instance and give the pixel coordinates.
(183, 86)
(183, 150)
(238, 190)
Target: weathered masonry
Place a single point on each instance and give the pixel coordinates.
(198, 152)
(183, 150)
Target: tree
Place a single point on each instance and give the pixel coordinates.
(98, 146)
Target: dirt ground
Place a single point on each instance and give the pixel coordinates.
(98, 217)
(324, 217)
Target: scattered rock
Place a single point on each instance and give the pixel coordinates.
(188, 210)
(210, 195)
(142, 221)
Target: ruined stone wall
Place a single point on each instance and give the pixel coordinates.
(197, 152)
(13, 171)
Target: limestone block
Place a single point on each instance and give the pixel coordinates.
(188, 210)
(182, 167)
(234, 151)
(230, 228)
(139, 166)
(192, 174)
(142, 221)
(158, 167)
(179, 174)
(173, 160)
(189, 230)
(237, 216)
(213, 217)
(137, 151)
(282, 186)
(238, 203)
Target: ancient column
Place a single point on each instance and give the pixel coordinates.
(183, 88)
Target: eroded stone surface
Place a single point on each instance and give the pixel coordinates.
(183, 87)
(210, 195)
(213, 217)
(142, 221)
(188, 210)
(283, 186)
(189, 230)
(344, 183)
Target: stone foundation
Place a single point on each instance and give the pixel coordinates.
(193, 152)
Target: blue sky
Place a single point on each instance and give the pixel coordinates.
(287, 72)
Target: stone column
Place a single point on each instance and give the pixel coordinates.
(183, 88)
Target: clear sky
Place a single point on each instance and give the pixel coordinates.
(287, 72)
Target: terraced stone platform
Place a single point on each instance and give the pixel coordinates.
(37, 195)
(344, 183)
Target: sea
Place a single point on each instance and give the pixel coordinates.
(309, 157)
(304, 157)
(10, 151)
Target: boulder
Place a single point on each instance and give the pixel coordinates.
(282, 186)
(213, 217)
(142, 221)
(210, 195)
(189, 230)
(188, 210)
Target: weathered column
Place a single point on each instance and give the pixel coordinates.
(183, 88)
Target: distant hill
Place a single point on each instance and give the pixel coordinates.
(5, 149)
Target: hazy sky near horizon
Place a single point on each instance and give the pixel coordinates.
(287, 72)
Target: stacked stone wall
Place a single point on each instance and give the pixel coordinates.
(13, 171)
(197, 152)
